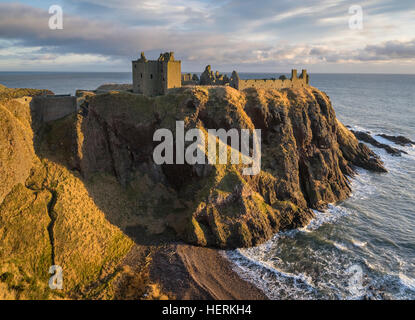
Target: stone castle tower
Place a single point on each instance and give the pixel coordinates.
(155, 77)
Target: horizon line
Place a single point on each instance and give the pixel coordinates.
(193, 72)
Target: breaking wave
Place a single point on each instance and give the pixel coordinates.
(314, 262)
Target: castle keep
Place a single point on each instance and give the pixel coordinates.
(156, 77)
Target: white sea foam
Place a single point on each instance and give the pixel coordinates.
(269, 278)
(380, 139)
(331, 215)
(362, 186)
(340, 246)
(279, 278)
(358, 243)
(411, 152)
(358, 128)
(407, 282)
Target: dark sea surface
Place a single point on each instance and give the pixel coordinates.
(62, 82)
(364, 247)
(361, 248)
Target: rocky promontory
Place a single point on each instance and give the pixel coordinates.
(89, 197)
(307, 159)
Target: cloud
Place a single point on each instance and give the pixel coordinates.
(403, 51)
(392, 50)
(231, 34)
(106, 38)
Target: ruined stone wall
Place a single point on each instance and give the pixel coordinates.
(189, 79)
(186, 77)
(174, 75)
(49, 108)
(210, 78)
(265, 84)
(295, 82)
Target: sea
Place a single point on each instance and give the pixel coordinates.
(360, 248)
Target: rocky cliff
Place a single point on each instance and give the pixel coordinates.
(46, 214)
(307, 159)
(74, 192)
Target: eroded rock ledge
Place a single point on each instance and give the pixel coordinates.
(367, 137)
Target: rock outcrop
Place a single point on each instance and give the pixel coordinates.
(307, 157)
(366, 137)
(400, 140)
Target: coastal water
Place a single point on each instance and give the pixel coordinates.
(62, 82)
(363, 247)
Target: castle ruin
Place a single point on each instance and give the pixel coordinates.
(156, 77)
(210, 78)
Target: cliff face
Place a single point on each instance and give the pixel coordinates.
(73, 191)
(46, 214)
(307, 156)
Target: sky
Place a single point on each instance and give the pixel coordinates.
(325, 36)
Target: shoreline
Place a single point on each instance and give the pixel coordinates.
(198, 273)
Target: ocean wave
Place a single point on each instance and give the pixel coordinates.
(340, 246)
(410, 152)
(271, 280)
(331, 215)
(407, 282)
(358, 128)
(359, 244)
(362, 184)
(325, 274)
(329, 278)
(307, 264)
